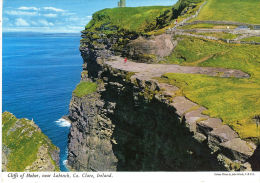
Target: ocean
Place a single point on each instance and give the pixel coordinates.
(40, 71)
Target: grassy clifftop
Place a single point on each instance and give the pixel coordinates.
(138, 19)
(25, 147)
(85, 88)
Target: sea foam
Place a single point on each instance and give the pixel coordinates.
(63, 122)
(65, 162)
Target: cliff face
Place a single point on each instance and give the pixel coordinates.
(123, 127)
(132, 123)
(25, 147)
(90, 145)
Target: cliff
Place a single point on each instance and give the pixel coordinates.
(130, 121)
(25, 147)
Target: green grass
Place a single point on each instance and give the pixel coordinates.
(137, 19)
(254, 38)
(23, 147)
(244, 11)
(220, 35)
(151, 20)
(206, 26)
(190, 50)
(197, 26)
(85, 88)
(236, 101)
(181, 4)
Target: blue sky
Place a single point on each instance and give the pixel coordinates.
(59, 15)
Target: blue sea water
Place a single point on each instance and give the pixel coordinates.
(40, 71)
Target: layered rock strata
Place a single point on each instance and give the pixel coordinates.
(134, 123)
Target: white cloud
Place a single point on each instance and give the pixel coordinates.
(13, 12)
(45, 23)
(27, 8)
(43, 19)
(21, 22)
(50, 15)
(53, 9)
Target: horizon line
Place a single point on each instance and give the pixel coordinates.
(78, 32)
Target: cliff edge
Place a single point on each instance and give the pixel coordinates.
(133, 115)
(25, 147)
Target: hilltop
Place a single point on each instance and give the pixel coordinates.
(140, 20)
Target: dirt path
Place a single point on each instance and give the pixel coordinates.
(156, 70)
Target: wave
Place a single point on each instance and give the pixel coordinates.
(63, 122)
(64, 162)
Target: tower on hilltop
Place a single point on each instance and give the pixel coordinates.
(122, 3)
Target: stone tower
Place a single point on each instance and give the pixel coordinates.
(122, 3)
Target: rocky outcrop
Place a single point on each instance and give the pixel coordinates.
(151, 49)
(143, 48)
(25, 147)
(134, 123)
(44, 161)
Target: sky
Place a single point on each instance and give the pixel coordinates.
(59, 15)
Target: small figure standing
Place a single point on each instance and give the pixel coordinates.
(125, 60)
